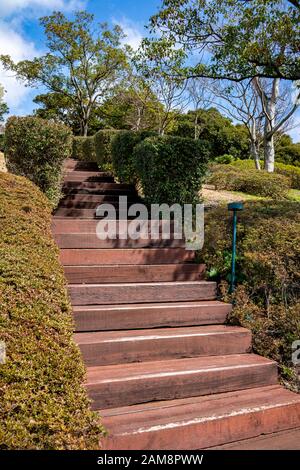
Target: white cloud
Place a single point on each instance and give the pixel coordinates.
(132, 30)
(13, 44)
(8, 7)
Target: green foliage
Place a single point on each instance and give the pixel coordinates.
(241, 37)
(292, 172)
(287, 152)
(258, 183)
(171, 169)
(133, 106)
(268, 259)
(84, 149)
(37, 148)
(103, 140)
(43, 404)
(222, 136)
(225, 159)
(122, 154)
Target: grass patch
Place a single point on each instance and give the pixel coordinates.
(43, 402)
(294, 195)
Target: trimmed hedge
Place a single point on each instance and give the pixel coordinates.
(258, 183)
(36, 148)
(171, 169)
(83, 149)
(291, 171)
(267, 299)
(103, 141)
(122, 147)
(43, 403)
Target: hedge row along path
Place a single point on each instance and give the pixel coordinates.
(163, 368)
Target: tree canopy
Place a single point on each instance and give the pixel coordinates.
(234, 39)
(82, 66)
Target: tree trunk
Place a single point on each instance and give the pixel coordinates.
(269, 149)
(255, 155)
(85, 129)
(269, 153)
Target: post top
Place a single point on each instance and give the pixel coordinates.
(235, 206)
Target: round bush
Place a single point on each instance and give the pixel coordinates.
(171, 169)
(36, 148)
(103, 141)
(84, 149)
(122, 154)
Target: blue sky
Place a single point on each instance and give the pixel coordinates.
(22, 38)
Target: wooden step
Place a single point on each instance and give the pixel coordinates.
(105, 187)
(73, 225)
(151, 315)
(201, 422)
(130, 273)
(116, 347)
(92, 201)
(282, 440)
(77, 165)
(86, 257)
(106, 294)
(88, 176)
(120, 385)
(62, 212)
(91, 240)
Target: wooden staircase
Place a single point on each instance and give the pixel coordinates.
(163, 369)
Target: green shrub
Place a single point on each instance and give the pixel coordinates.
(36, 148)
(171, 169)
(258, 183)
(43, 402)
(291, 171)
(84, 149)
(103, 141)
(122, 154)
(268, 272)
(1, 142)
(225, 159)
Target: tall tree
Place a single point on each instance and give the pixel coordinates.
(83, 64)
(234, 39)
(277, 111)
(154, 66)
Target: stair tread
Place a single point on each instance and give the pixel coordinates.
(142, 418)
(171, 367)
(149, 306)
(142, 284)
(159, 333)
(283, 440)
